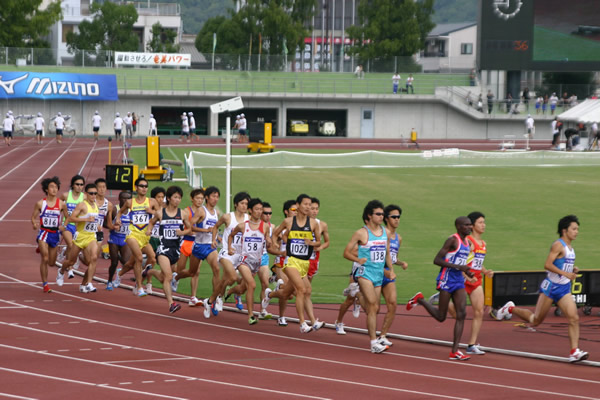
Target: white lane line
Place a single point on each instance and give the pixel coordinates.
(37, 180)
(87, 158)
(14, 396)
(105, 348)
(80, 382)
(150, 360)
(23, 162)
(170, 380)
(125, 383)
(63, 350)
(154, 372)
(10, 308)
(16, 148)
(147, 381)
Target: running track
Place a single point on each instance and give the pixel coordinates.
(117, 346)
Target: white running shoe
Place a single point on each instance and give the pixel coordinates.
(377, 348)
(90, 288)
(384, 341)
(207, 310)
(149, 288)
(434, 298)
(305, 328)
(578, 355)
(474, 349)
(174, 282)
(60, 278)
(71, 274)
(141, 292)
(339, 328)
(76, 265)
(280, 283)
(264, 314)
(354, 289)
(219, 304)
(116, 279)
(356, 310)
(193, 302)
(318, 325)
(83, 289)
(265, 302)
(281, 321)
(503, 312)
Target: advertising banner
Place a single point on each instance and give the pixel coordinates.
(58, 86)
(153, 59)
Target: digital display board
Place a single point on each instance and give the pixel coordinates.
(121, 176)
(539, 35)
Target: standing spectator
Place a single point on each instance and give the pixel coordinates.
(480, 103)
(128, 126)
(39, 127)
(193, 126)
(96, 124)
(490, 101)
(185, 128)
(509, 100)
(530, 126)
(565, 100)
(237, 126)
(152, 123)
(359, 72)
(118, 126)
(395, 82)
(538, 104)
(59, 123)
(472, 77)
(469, 99)
(7, 129)
(134, 122)
(555, 133)
(553, 102)
(242, 128)
(409, 84)
(526, 98)
(545, 104)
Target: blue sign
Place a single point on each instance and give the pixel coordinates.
(58, 86)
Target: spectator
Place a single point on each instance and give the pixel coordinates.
(469, 99)
(409, 84)
(472, 77)
(529, 126)
(242, 128)
(128, 126)
(526, 97)
(96, 119)
(152, 124)
(134, 122)
(395, 82)
(118, 126)
(538, 104)
(480, 103)
(594, 137)
(545, 104)
(509, 100)
(555, 133)
(565, 100)
(553, 102)
(490, 101)
(359, 72)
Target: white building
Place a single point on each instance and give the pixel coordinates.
(76, 11)
(450, 48)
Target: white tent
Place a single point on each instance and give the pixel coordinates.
(586, 112)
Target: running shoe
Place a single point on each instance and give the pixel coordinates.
(134, 290)
(377, 348)
(109, 286)
(47, 288)
(141, 292)
(90, 288)
(279, 284)
(412, 303)
(265, 302)
(83, 289)
(505, 311)
(117, 279)
(352, 290)
(356, 309)
(578, 355)
(146, 269)
(219, 304)
(494, 314)
(252, 320)
(76, 265)
(305, 328)
(264, 314)
(384, 341)
(174, 307)
(318, 325)
(214, 308)
(339, 328)
(458, 356)
(206, 308)
(149, 288)
(71, 274)
(174, 282)
(434, 298)
(193, 302)
(60, 278)
(474, 349)
(281, 321)
(61, 255)
(238, 302)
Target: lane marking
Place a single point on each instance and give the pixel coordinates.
(150, 360)
(14, 396)
(80, 382)
(24, 161)
(87, 158)
(16, 148)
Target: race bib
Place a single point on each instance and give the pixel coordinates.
(50, 221)
(298, 247)
(568, 267)
(91, 227)
(377, 254)
(477, 262)
(394, 257)
(170, 234)
(123, 229)
(140, 219)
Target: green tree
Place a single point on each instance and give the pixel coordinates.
(163, 40)
(23, 24)
(110, 29)
(389, 28)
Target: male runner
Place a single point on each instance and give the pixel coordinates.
(264, 271)
(373, 255)
(7, 129)
(185, 128)
(72, 198)
(301, 230)
(556, 288)
(452, 258)
(40, 124)
(117, 247)
(192, 121)
(46, 217)
(158, 193)
(85, 217)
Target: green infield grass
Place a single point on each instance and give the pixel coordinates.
(522, 207)
(550, 45)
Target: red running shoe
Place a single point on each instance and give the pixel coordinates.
(47, 288)
(458, 356)
(412, 303)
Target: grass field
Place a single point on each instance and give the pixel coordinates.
(269, 82)
(522, 208)
(551, 45)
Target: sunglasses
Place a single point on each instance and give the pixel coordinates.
(142, 186)
(92, 193)
(292, 209)
(394, 216)
(78, 184)
(378, 214)
(267, 213)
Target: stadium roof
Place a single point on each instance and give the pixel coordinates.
(190, 48)
(446, 29)
(588, 111)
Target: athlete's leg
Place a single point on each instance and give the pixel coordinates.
(213, 261)
(113, 251)
(91, 254)
(308, 305)
(569, 310)
(43, 246)
(477, 305)
(136, 261)
(297, 285)
(389, 294)
(229, 276)
(371, 296)
(250, 285)
(439, 312)
(541, 310)
(70, 259)
(263, 275)
(164, 275)
(459, 298)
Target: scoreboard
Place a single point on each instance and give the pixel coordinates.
(121, 176)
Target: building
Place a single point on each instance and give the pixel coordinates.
(450, 48)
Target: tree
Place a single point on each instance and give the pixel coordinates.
(163, 40)
(110, 29)
(389, 28)
(23, 24)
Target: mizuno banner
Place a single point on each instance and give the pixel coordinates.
(56, 86)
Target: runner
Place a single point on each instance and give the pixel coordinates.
(301, 230)
(118, 126)
(556, 288)
(85, 216)
(227, 260)
(373, 255)
(171, 224)
(40, 124)
(142, 209)
(72, 198)
(264, 271)
(158, 193)
(46, 218)
(117, 247)
(193, 127)
(254, 237)
(96, 119)
(7, 129)
(452, 258)
(59, 123)
(185, 128)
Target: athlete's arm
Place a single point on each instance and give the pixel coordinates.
(109, 217)
(403, 264)
(360, 236)
(35, 217)
(199, 217)
(153, 208)
(276, 234)
(225, 219)
(153, 222)
(450, 244)
(106, 219)
(557, 251)
(325, 235)
(186, 224)
(238, 228)
(122, 210)
(316, 228)
(79, 210)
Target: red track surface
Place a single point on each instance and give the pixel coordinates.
(113, 345)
